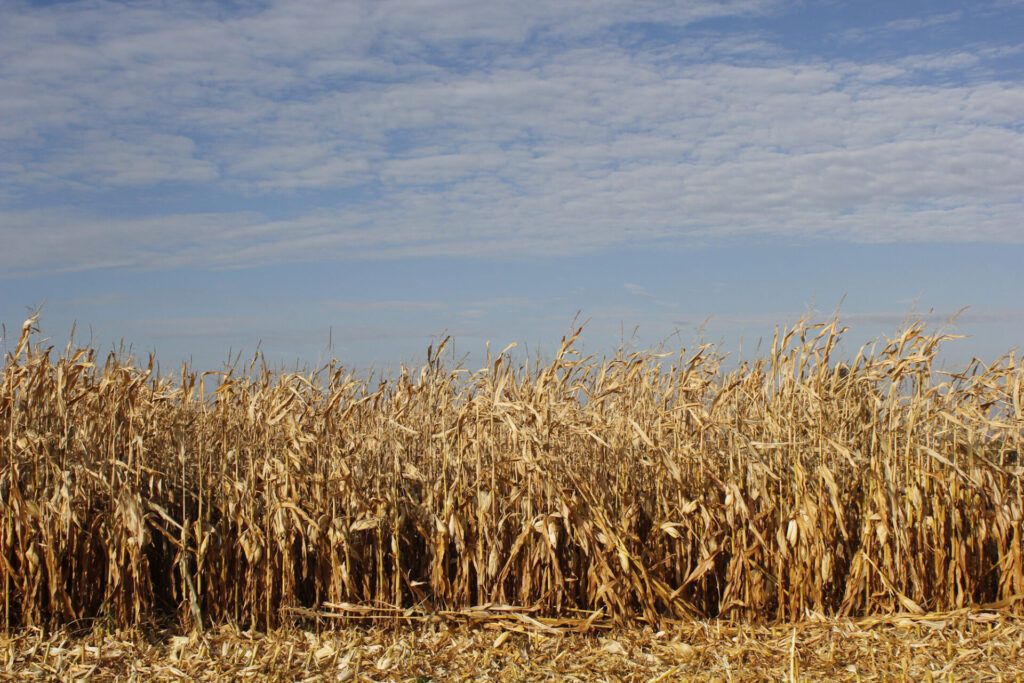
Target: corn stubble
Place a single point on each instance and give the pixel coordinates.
(646, 486)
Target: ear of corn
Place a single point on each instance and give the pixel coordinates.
(643, 486)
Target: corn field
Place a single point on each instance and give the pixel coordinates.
(645, 486)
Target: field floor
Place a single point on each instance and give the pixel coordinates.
(963, 645)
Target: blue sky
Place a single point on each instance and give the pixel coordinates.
(194, 177)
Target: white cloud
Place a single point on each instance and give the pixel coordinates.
(940, 62)
(898, 26)
(637, 290)
(970, 317)
(100, 159)
(376, 305)
(442, 129)
(914, 23)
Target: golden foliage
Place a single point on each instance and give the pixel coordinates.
(645, 485)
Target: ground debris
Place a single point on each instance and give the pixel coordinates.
(961, 645)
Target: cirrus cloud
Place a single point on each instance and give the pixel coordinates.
(361, 130)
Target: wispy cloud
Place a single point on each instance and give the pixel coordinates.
(890, 321)
(968, 317)
(457, 128)
(898, 26)
(369, 305)
(107, 300)
(637, 290)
